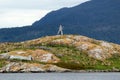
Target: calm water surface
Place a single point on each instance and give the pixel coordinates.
(60, 76)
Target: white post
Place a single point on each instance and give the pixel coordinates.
(60, 31)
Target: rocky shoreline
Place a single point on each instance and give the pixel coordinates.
(23, 67)
(67, 71)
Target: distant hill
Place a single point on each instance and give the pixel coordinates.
(99, 19)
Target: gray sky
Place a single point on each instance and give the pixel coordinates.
(16, 13)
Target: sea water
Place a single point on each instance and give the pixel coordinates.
(59, 76)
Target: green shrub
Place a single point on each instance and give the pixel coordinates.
(73, 65)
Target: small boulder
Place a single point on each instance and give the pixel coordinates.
(20, 57)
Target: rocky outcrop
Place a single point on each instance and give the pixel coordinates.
(32, 55)
(100, 50)
(4, 56)
(68, 50)
(31, 67)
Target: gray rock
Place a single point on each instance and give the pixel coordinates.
(54, 68)
(20, 57)
(31, 67)
(4, 56)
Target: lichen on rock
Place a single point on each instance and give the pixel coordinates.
(31, 67)
(32, 55)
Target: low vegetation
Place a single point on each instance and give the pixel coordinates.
(71, 57)
(2, 63)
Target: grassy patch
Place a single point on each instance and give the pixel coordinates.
(2, 63)
(73, 65)
(72, 58)
(115, 61)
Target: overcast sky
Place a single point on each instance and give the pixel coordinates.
(16, 13)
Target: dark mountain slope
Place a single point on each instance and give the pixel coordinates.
(18, 34)
(98, 19)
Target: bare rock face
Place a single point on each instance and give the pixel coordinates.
(94, 48)
(97, 53)
(35, 55)
(44, 56)
(105, 44)
(4, 56)
(31, 67)
(20, 57)
(21, 67)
